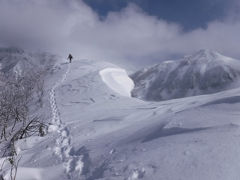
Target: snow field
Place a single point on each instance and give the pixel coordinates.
(98, 134)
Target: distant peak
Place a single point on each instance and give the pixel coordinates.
(204, 55)
(206, 52)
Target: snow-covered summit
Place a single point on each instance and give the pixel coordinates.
(204, 72)
(204, 54)
(210, 56)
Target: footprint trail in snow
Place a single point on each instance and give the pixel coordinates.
(63, 147)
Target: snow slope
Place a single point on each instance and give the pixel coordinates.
(96, 133)
(204, 72)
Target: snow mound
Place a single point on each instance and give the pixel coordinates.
(118, 80)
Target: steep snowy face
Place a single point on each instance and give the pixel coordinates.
(16, 61)
(204, 72)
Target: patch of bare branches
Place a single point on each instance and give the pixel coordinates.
(19, 95)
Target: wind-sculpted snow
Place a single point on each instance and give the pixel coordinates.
(117, 80)
(202, 73)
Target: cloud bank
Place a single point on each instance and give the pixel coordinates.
(131, 35)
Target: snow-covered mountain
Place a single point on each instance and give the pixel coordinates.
(97, 131)
(16, 61)
(204, 72)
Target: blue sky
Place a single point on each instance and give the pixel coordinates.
(191, 14)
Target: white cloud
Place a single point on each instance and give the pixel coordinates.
(130, 35)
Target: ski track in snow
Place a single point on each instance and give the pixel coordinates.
(72, 163)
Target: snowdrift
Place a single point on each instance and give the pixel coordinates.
(118, 80)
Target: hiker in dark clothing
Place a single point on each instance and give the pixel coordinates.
(70, 57)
